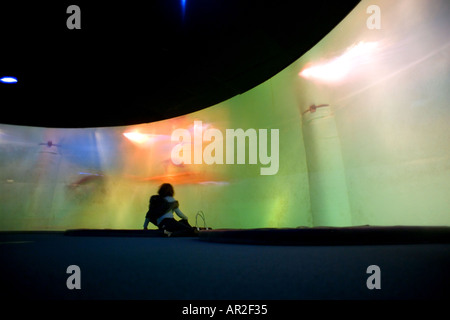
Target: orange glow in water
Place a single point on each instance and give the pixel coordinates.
(140, 138)
(153, 154)
(187, 177)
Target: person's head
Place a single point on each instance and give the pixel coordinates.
(165, 190)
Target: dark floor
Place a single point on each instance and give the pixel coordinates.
(33, 266)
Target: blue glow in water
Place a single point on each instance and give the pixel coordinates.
(8, 80)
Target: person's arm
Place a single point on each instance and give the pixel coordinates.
(180, 214)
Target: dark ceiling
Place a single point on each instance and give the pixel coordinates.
(132, 63)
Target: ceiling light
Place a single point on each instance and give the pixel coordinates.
(8, 80)
(339, 67)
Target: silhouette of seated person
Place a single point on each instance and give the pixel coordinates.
(160, 213)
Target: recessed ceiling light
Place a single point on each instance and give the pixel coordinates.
(8, 80)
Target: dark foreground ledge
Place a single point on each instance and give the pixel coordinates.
(357, 235)
(113, 233)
